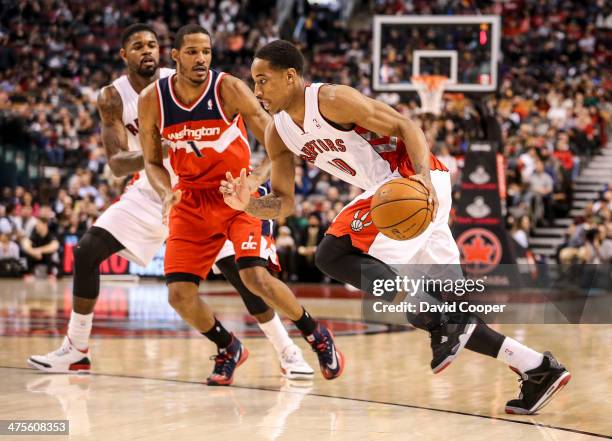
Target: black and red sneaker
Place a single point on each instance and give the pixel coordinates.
(226, 362)
(331, 359)
(448, 339)
(538, 386)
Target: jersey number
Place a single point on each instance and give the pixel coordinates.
(195, 149)
(343, 166)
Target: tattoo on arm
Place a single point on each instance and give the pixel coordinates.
(151, 142)
(114, 137)
(266, 207)
(125, 163)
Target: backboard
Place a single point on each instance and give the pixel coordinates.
(464, 48)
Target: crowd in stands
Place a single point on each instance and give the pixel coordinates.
(549, 116)
(589, 238)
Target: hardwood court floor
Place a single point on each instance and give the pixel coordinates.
(148, 369)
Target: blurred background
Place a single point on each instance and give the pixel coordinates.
(545, 115)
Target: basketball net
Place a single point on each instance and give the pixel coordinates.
(430, 89)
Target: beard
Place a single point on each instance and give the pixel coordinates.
(147, 71)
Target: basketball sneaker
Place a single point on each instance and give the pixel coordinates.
(293, 365)
(226, 362)
(538, 386)
(331, 360)
(448, 339)
(67, 359)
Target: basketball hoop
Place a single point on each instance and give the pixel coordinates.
(430, 89)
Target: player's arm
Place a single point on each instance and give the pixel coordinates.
(151, 142)
(281, 201)
(260, 174)
(121, 161)
(345, 105)
(237, 98)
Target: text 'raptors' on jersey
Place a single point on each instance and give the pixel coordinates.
(205, 143)
(356, 156)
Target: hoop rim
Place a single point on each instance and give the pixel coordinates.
(431, 90)
(431, 82)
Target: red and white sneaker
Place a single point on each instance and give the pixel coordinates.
(67, 359)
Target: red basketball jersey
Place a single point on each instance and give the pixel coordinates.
(205, 143)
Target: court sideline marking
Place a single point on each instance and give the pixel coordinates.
(362, 400)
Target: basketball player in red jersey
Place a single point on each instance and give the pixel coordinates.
(201, 114)
(132, 226)
(336, 128)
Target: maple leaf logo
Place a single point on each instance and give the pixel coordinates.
(477, 251)
(480, 249)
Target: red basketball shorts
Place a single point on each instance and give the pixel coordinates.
(199, 226)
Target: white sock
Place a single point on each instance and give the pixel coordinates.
(519, 356)
(79, 329)
(276, 333)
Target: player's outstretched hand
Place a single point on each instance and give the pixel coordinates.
(170, 201)
(433, 197)
(236, 191)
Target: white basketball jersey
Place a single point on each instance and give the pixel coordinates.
(342, 153)
(129, 98)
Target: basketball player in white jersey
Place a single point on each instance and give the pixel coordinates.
(366, 143)
(133, 226)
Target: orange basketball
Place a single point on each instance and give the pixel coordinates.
(400, 209)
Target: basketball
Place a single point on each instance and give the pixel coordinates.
(400, 209)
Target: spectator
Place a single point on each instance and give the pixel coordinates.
(450, 162)
(303, 185)
(528, 161)
(8, 248)
(10, 265)
(604, 203)
(86, 188)
(6, 225)
(311, 237)
(520, 230)
(566, 157)
(285, 247)
(540, 194)
(41, 248)
(590, 252)
(605, 249)
(26, 223)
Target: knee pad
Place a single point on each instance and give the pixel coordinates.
(87, 253)
(254, 304)
(94, 247)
